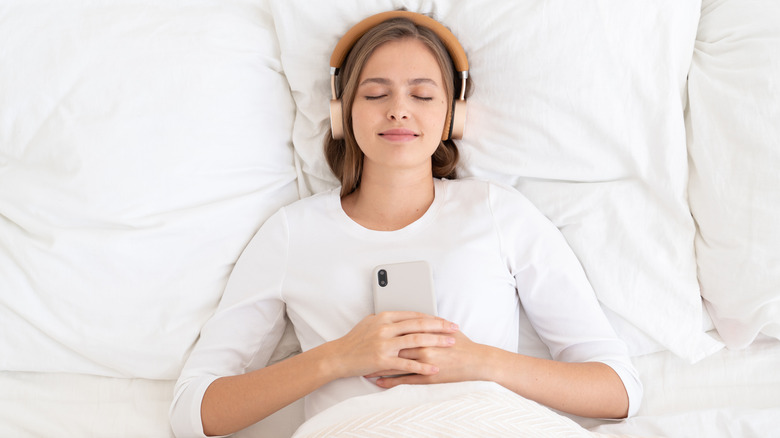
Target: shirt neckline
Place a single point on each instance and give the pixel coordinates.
(439, 190)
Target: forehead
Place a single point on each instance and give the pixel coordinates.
(402, 59)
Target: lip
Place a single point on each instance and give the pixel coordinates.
(398, 134)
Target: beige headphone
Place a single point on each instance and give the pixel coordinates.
(453, 128)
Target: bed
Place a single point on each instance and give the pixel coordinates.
(143, 143)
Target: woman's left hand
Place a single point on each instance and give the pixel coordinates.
(465, 360)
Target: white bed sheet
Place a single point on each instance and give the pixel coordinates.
(730, 394)
(733, 393)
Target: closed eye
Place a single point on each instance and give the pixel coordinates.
(375, 97)
(423, 98)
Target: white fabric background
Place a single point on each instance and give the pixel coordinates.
(734, 145)
(141, 146)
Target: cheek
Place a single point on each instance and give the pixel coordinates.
(439, 117)
(358, 121)
(357, 115)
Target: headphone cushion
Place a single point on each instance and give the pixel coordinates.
(458, 120)
(336, 120)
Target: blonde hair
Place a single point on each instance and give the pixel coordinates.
(344, 156)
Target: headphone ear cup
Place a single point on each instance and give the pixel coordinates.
(458, 119)
(453, 129)
(336, 120)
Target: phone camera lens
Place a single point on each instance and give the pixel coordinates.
(382, 277)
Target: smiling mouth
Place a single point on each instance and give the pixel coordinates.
(398, 135)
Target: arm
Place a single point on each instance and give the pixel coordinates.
(592, 362)
(588, 389)
(235, 402)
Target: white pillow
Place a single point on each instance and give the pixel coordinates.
(142, 144)
(580, 106)
(734, 135)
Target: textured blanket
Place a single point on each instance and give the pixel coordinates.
(467, 409)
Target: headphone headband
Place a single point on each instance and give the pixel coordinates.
(349, 39)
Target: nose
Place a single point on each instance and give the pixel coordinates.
(397, 109)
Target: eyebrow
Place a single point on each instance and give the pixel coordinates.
(384, 81)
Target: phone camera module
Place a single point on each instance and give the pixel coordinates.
(382, 277)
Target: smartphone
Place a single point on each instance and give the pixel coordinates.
(404, 286)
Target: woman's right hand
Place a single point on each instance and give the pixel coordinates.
(373, 345)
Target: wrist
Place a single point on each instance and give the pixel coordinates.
(329, 361)
(495, 364)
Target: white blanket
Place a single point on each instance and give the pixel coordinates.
(466, 409)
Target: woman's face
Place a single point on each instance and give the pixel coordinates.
(400, 107)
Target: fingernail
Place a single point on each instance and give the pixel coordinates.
(450, 341)
(454, 326)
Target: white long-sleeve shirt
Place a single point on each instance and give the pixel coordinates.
(491, 252)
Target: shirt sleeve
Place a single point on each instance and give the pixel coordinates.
(245, 328)
(555, 292)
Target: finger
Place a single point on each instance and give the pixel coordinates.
(405, 366)
(425, 325)
(418, 340)
(398, 316)
(401, 316)
(410, 353)
(429, 331)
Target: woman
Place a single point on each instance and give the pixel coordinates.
(490, 250)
